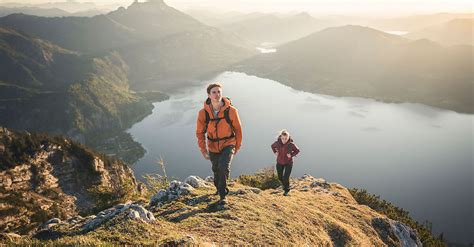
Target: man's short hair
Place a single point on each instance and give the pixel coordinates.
(213, 85)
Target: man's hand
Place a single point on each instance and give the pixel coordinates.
(206, 155)
(288, 155)
(276, 153)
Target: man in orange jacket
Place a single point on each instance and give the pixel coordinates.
(220, 121)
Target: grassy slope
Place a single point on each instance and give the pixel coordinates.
(308, 216)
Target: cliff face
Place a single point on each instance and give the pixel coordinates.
(43, 177)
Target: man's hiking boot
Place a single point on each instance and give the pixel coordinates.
(226, 192)
(286, 193)
(222, 201)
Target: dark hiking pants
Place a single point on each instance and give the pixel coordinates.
(284, 172)
(221, 168)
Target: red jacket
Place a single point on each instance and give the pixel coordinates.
(283, 149)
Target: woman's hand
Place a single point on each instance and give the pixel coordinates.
(288, 155)
(276, 153)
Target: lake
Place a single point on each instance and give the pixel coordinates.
(418, 157)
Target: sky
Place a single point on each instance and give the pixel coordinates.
(317, 6)
(335, 5)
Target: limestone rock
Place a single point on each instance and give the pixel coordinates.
(195, 181)
(320, 183)
(160, 196)
(132, 211)
(185, 189)
(55, 177)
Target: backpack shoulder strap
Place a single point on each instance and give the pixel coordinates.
(208, 118)
(227, 117)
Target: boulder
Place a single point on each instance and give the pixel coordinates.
(174, 185)
(137, 212)
(185, 189)
(160, 196)
(405, 234)
(195, 181)
(132, 211)
(319, 182)
(256, 190)
(396, 232)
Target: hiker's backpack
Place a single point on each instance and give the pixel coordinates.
(217, 120)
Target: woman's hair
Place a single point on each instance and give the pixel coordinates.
(213, 85)
(283, 132)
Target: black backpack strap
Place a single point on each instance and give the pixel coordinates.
(208, 118)
(227, 118)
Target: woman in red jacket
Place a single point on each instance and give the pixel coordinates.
(285, 150)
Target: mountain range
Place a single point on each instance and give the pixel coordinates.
(159, 43)
(364, 62)
(271, 28)
(79, 75)
(75, 75)
(413, 23)
(48, 88)
(453, 32)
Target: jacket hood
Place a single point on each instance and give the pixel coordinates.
(208, 106)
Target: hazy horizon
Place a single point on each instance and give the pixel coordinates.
(380, 8)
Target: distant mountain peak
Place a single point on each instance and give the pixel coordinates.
(148, 3)
(353, 29)
(356, 31)
(303, 15)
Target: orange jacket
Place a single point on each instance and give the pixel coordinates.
(218, 128)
